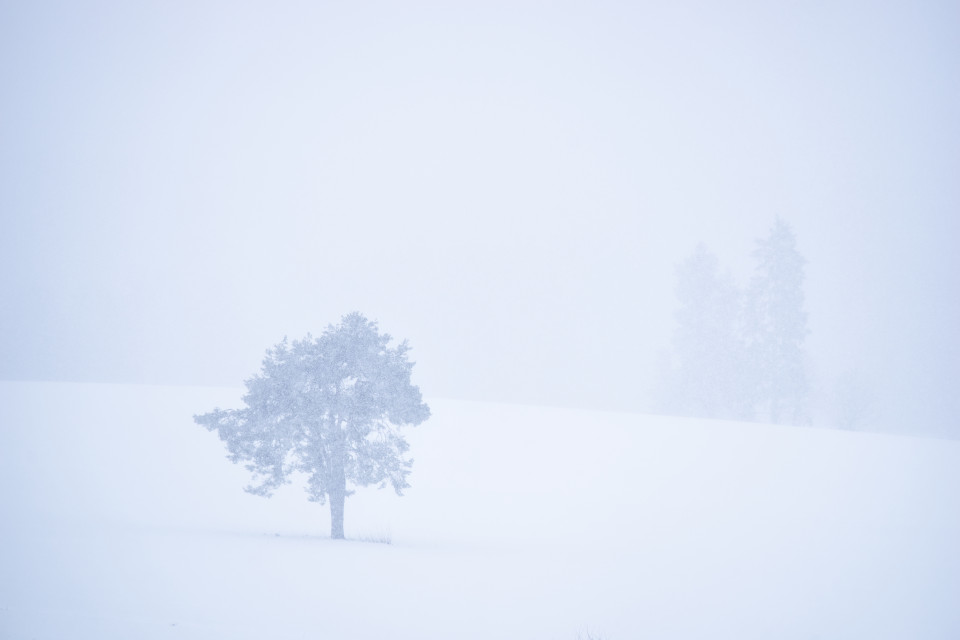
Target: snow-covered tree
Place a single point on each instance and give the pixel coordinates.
(776, 326)
(329, 407)
(707, 375)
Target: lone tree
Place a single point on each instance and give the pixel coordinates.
(329, 407)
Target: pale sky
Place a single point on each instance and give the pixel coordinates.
(507, 185)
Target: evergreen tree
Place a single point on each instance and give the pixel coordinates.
(776, 326)
(329, 407)
(707, 381)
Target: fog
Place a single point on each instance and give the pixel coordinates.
(509, 186)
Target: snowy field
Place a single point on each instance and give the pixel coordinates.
(121, 518)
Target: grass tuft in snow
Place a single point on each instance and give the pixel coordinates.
(380, 537)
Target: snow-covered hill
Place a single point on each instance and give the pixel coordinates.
(122, 519)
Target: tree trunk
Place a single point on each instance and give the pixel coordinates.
(337, 498)
(337, 482)
(337, 495)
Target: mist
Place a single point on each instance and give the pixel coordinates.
(508, 186)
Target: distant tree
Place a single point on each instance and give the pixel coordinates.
(707, 377)
(854, 400)
(329, 407)
(776, 326)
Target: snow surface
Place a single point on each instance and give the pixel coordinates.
(121, 518)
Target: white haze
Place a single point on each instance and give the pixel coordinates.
(507, 185)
